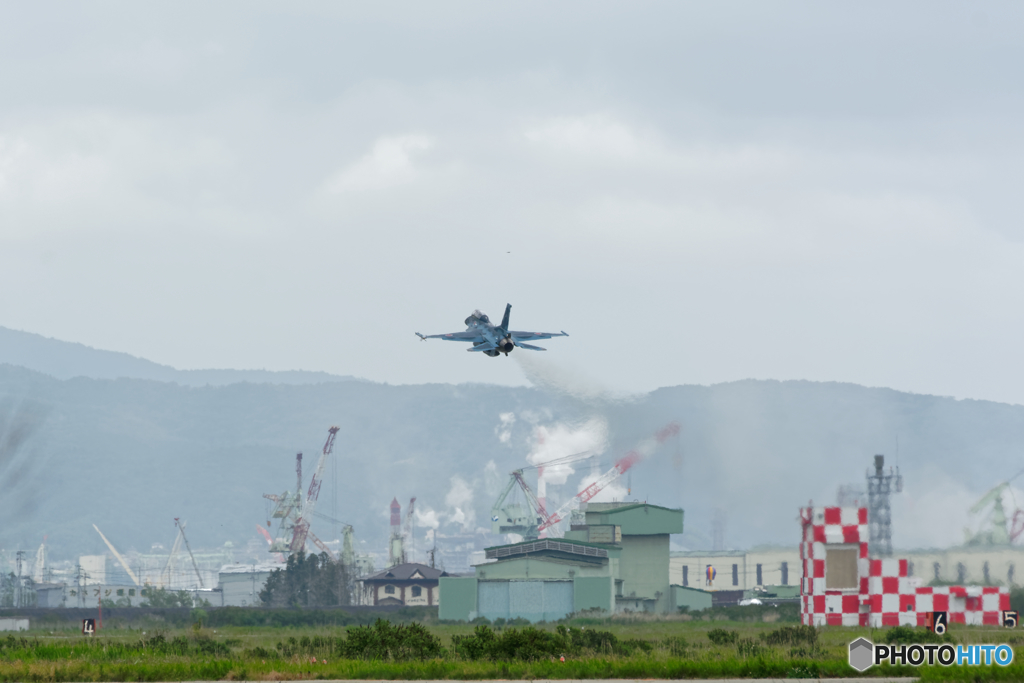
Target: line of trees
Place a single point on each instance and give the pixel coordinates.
(308, 581)
(17, 591)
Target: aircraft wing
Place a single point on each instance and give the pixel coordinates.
(534, 336)
(466, 336)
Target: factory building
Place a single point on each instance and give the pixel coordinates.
(50, 594)
(780, 566)
(240, 584)
(736, 570)
(88, 595)
(617, 561)
(981, 564)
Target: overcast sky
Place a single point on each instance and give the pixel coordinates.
(696, 192)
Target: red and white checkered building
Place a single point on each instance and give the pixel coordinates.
(882, 594)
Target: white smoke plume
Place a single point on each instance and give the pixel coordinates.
(460, 504)
(561, 380)
(933, 511)
(561, 439)
(615, 491)
(458, 508)
(427, 518)
(494, 480)
(504, 428)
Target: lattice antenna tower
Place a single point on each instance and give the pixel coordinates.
(881, 486)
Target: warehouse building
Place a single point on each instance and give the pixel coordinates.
(736, 570)
(976, 564)
(617, 561)
(239, 585)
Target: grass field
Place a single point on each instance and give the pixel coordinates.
(642, 648)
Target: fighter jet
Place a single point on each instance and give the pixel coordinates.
(493, 339)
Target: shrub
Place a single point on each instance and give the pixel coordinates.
(719, 636)
(748, 647)
(1017, 599)
(631, 646)
(791, 635)
(389, 642)
(580, 640)
(782, 612)
(12, 643)
(530, 644)
(676, 646)
(474, 646)
(198, 616)
(909, 634)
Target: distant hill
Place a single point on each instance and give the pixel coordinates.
(132, 454)
(65, 360)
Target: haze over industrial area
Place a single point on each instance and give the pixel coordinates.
(135, 453)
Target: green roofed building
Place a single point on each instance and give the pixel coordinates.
(617, 561)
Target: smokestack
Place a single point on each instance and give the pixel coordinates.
(396, 516)
(879, 464)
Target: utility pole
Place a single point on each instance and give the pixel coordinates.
(17, 589)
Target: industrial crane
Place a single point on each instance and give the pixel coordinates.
(39, 568)
(532, 518)
(181, 527)
(168, 571)
(644, 449)
(998, 532)
(513, 517)
(309, 506)
(295, 512)
(118, 556)
(516, 518)
(270, 541)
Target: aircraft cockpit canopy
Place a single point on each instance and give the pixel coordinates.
(477, 317)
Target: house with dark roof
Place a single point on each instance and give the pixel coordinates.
(411, 584)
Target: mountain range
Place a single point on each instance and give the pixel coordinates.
(90, 436)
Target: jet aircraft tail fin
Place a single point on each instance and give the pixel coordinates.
(504, 321)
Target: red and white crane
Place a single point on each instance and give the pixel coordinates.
(643, 450)
(301, 532)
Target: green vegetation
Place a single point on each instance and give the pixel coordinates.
(532, 644)
(307, 581)
(719, 636)
(1017, 599)
(905, 635)
(628, 646)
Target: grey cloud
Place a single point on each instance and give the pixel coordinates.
(695, 193)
